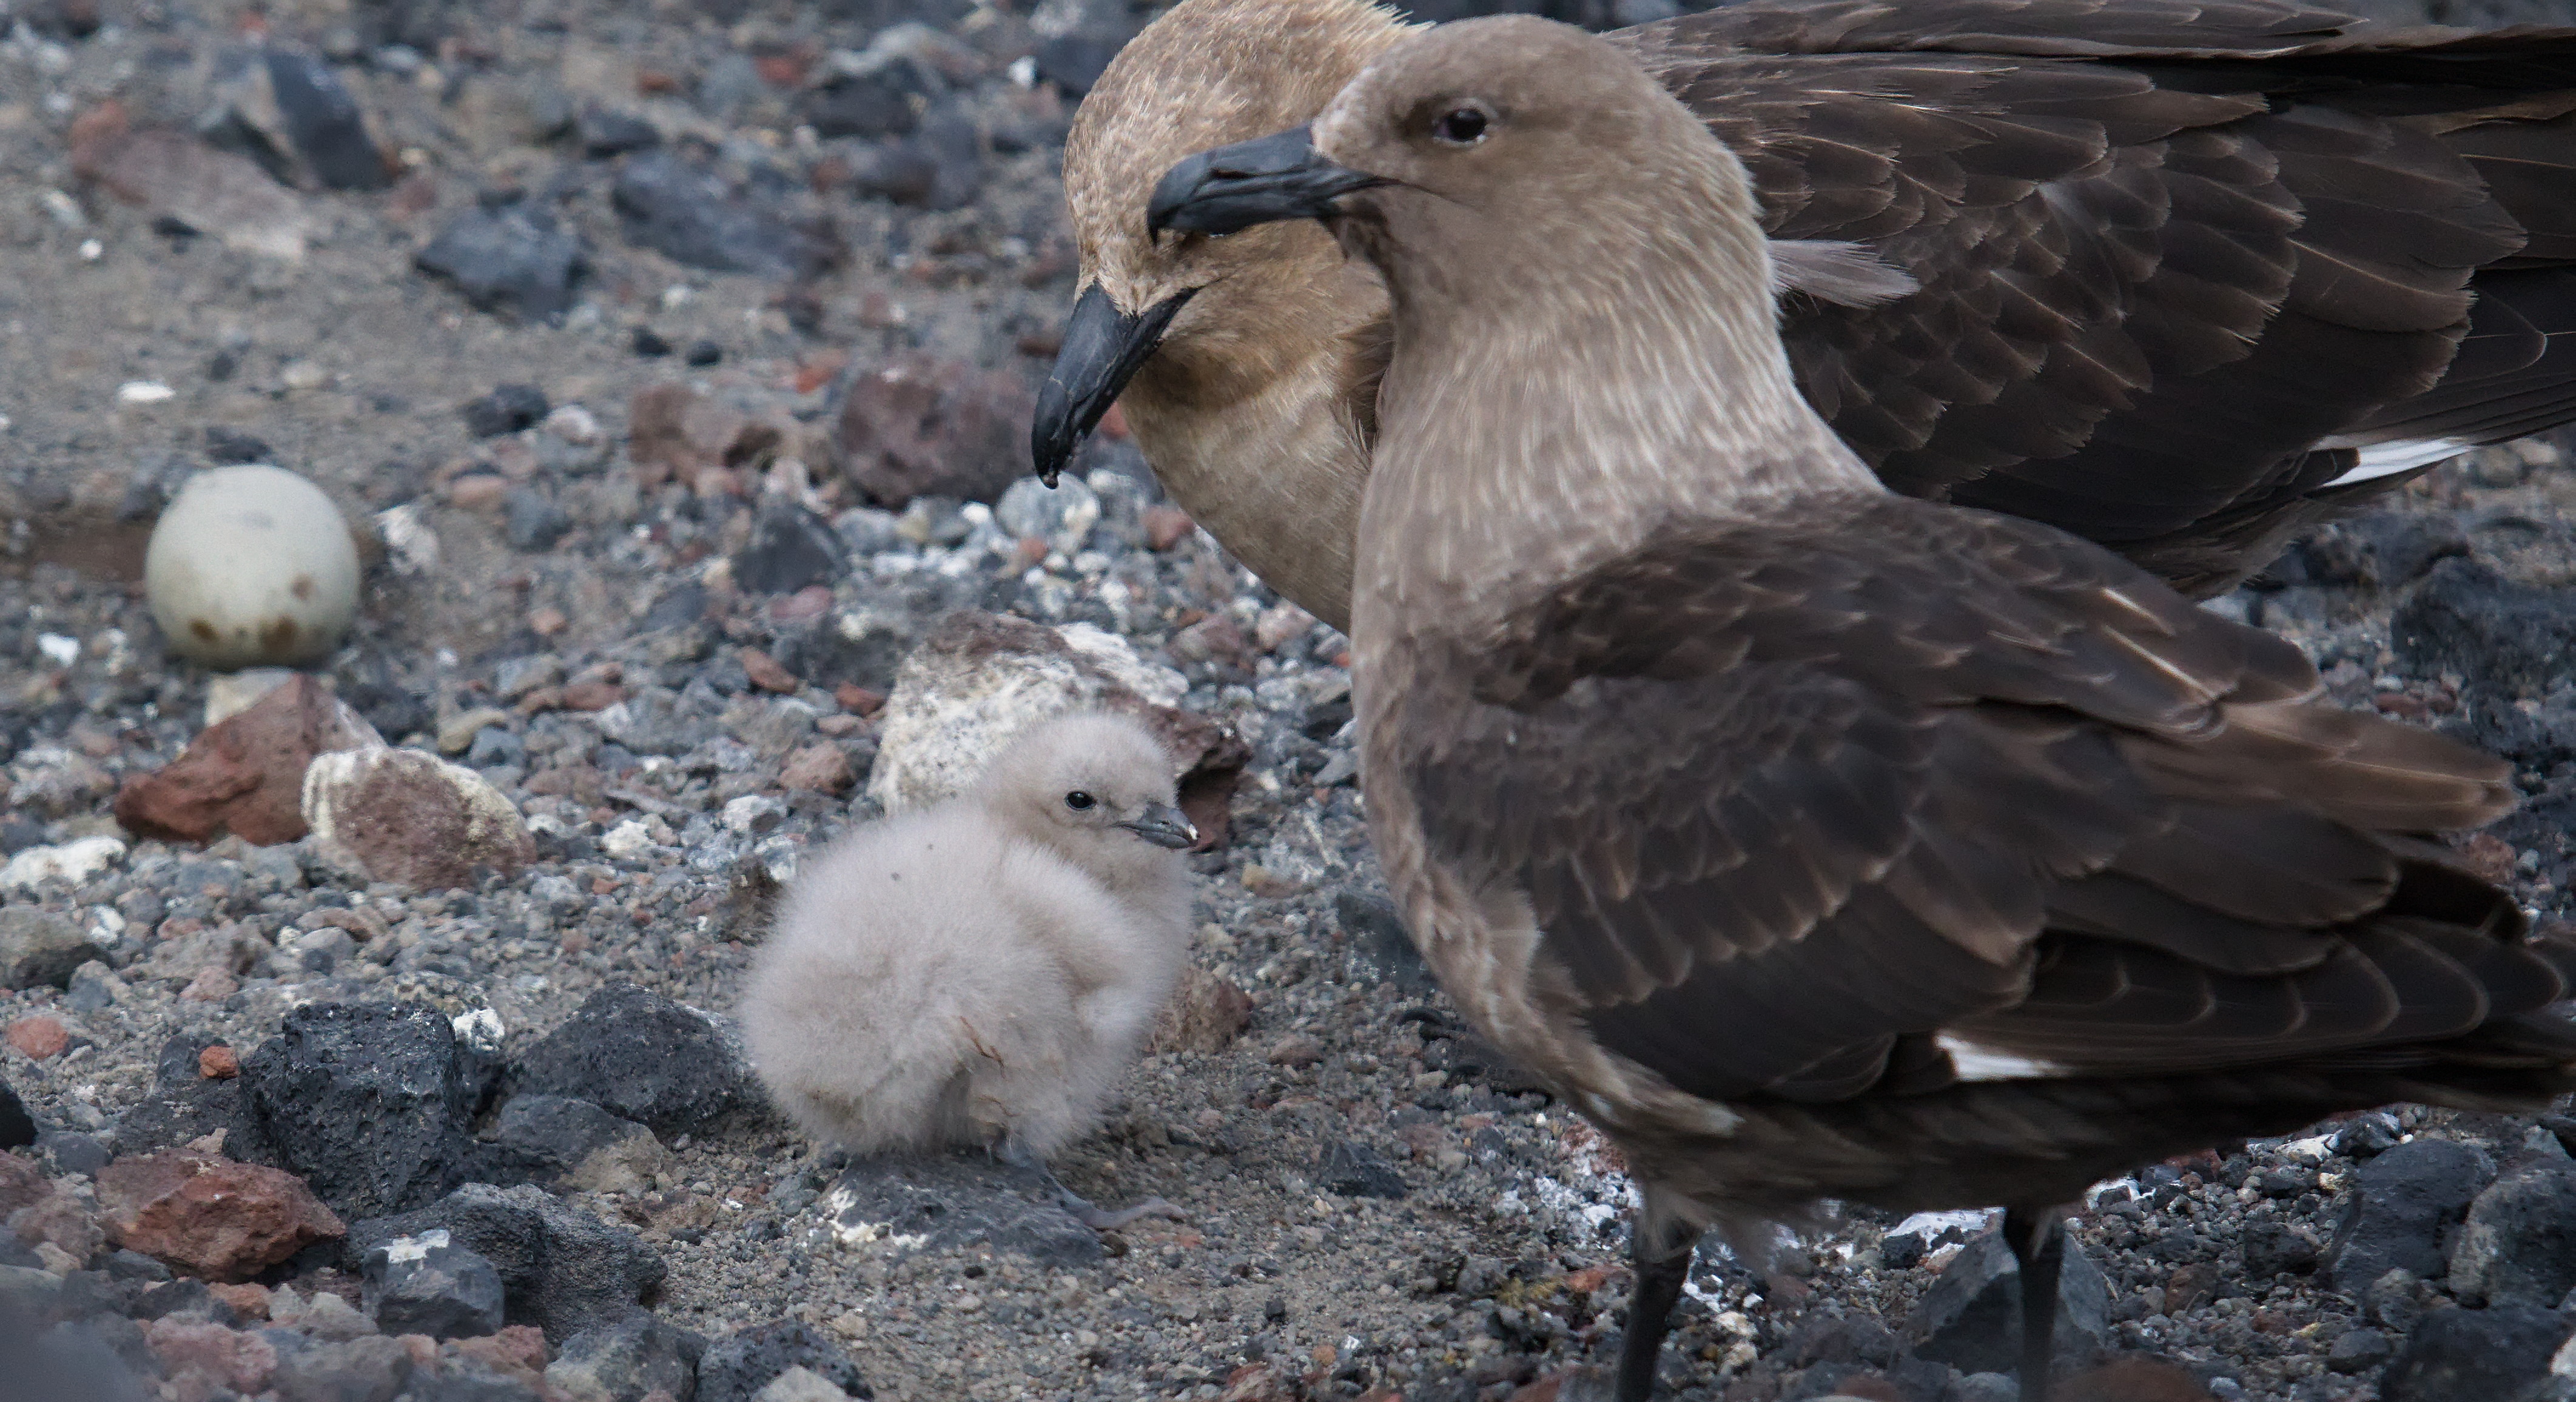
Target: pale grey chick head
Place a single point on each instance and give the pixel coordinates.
(1096, 787)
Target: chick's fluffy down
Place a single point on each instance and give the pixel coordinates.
(934, 981)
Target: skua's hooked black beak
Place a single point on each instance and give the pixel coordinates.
(1164, 826)
(1103, 349)
(1232, 188)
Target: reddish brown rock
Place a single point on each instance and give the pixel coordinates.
(766, 674)
(1215, 638)
(210, 1216)
(1166, 525)
(57, 1217)
(22, 1185)
(409, 817)
(518, 1351)
(238, 1360)
(1296, 1049)
(927, 427)
(821, 767)
(1206, 1014)
(245, 774)
(218, 1063)
(675, 432)
(249, 1301)
(38, 1037)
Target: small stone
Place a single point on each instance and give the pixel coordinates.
(1971, 1316)
(820, 768)
(514, 259)
(627, 1361)
(530, 520)
(219, 193)
(68, 863)
(688, 213)
(39, 948)
(2366, 1136)
(1356, 1170)
(790, 549)
(17, 1127)
(237, 1359)
(323, 122)
(2518, 1245)
(426, 1285)
(2359, 1351)
(251, 565)
(639, 1055)
(561, 1269)
(245, 774)
(1296, 1049)
(1206, 1013)
(372, 1102)
(218, 1063)
(2458, 1354)
(564, 1143)
(702, 354)
(411, 818)
(37, 1037)
(736, 1367)
(210, 1216)
(800, 1385)
(2397, 1207)
(1166, 526)
(925, 427)
(2272, 1248)
(348, 1370)
(507, 409)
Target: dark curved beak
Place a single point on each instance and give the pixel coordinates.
(1232, 188)
(1164, 826)
(1103, 349)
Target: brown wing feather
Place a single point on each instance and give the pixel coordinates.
(1784, 796)
(2174, 259)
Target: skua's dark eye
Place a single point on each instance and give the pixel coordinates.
(1079, 801)
(1463, 126)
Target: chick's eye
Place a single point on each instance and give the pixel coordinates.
(1463, 126)
(1079, 801)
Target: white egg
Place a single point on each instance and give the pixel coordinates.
(251, 566)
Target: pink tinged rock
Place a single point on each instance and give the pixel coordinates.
(241, 1361)
(923, 426)
(245, 774)
(210, 1216)
(37, 1037)
(410, 817)
(1206, 1014)
(820, 767)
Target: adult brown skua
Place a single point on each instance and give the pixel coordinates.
(1814, 840)
(2181, 277)
(981, 972)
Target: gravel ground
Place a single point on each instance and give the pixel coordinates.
(1373, 1202)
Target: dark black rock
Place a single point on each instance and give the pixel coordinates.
(70, 1151)
(73, 1361)
(2459, 1355)
(2469, 620)
(323, 121)
(514, 258)
(1840, 1338)
(2366, 1136)
(1971, 1317)
(372, 1103)
(965, 1200)
(637, 1355)
(869, 105)
(688, 213)
(649, 344)
(1377, 934)
(186, 1298)
(1358, 1171)
(531, 520)
(17, 1127)
(540, 1138)
(2518, 1246)
(1073, 62)
(2359, 1351)
(790, 547)
(184, 1105)
(604, 132)
(703, 353)
(135, 1266)
(898, 172)
(2397, 1207)
(642, 1056)
(231, 445)
(2272, 1248)
(493, 745)
(561, 1269)
(425, 1285)
(739, 1365)
(1473, 1058)
(507, 409)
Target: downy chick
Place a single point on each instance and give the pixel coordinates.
(981, 971)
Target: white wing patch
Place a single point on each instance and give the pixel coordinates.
(2382, 459)
(1975, 1063)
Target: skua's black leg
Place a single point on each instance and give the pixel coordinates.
(1660, 1252)
(2037, 1236)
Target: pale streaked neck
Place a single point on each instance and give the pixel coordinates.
(1580, 398)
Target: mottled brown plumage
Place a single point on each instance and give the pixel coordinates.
(1815, 840)
(2179, 267)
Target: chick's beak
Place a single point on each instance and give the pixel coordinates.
(1164, 826)
(1103, 349)
(1232, 188)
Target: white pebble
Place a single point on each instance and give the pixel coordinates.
(70, 863)
(58, 649)
(251, 565)
(143, 392)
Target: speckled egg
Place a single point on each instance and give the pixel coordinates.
(251, 566)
